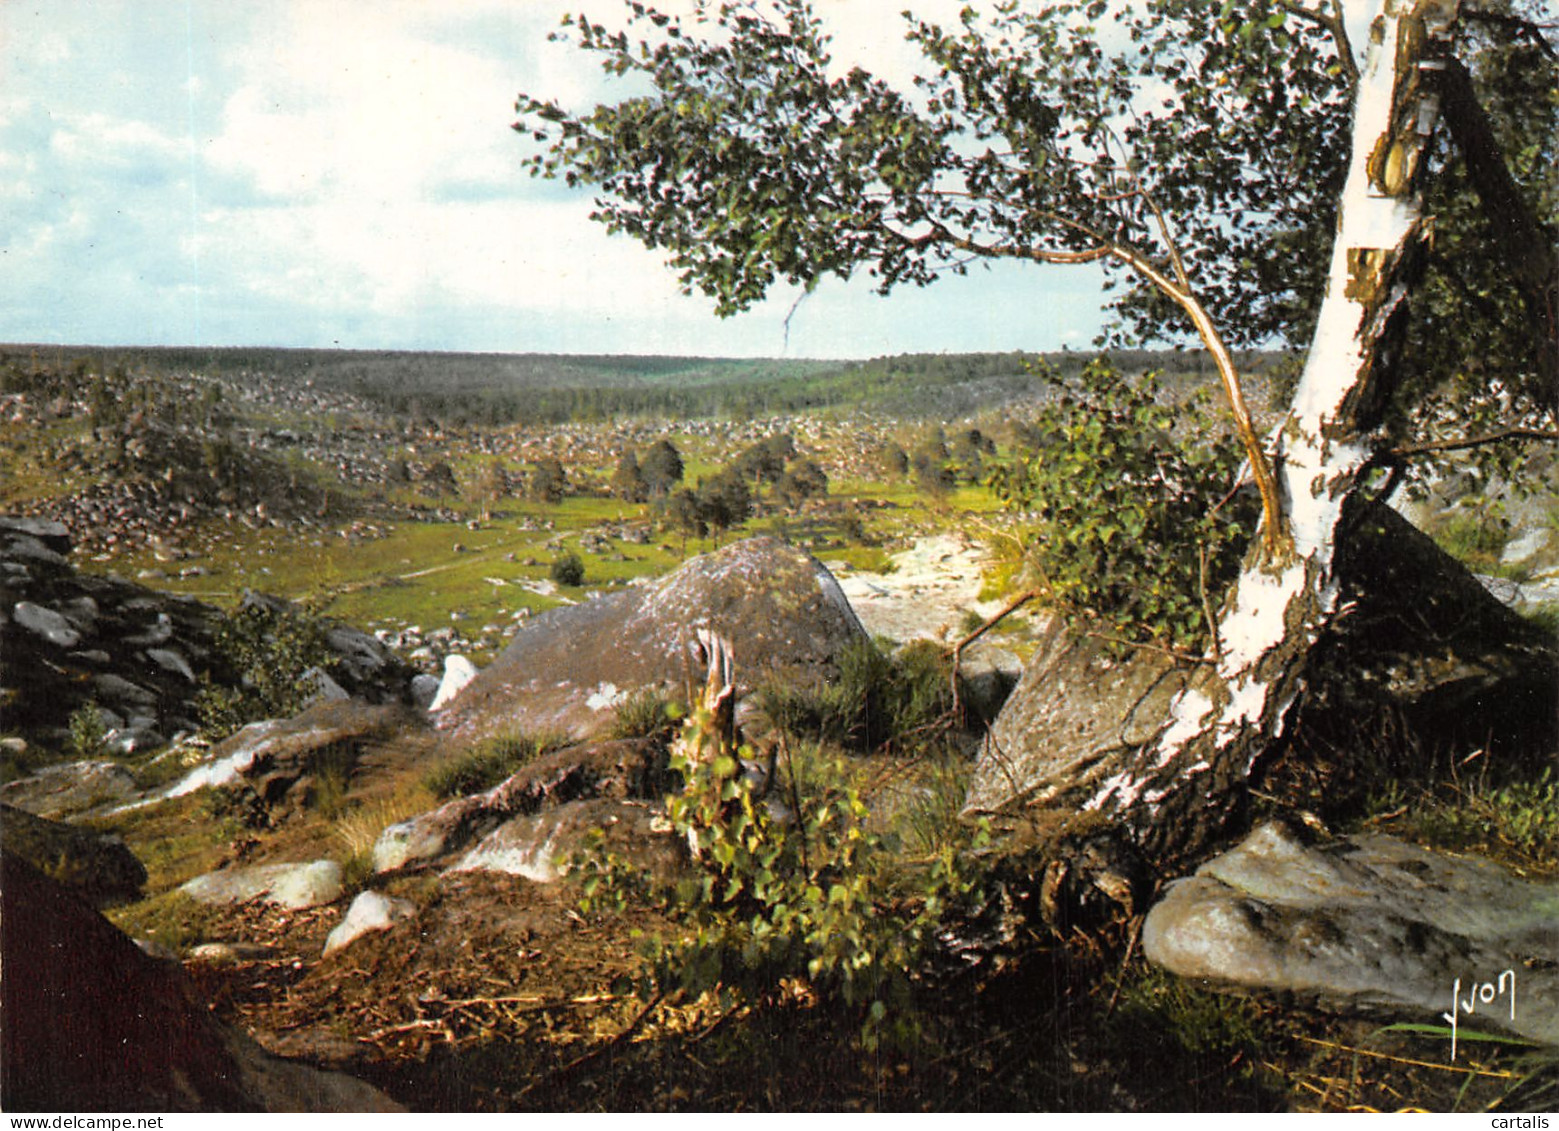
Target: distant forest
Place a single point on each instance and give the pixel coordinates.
(499, 389)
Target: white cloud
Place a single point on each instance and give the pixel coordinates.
(298, 172)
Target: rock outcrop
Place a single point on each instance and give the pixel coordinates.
(68, 638)
(281, 758)
(91, 1023)
(1078, 709)
(1368, 923)
(618, 772)
(1423, 652)
(69, 788)
(569, 668)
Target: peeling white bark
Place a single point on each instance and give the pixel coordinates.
(1277, 610)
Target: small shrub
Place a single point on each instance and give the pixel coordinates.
(878, 699)
(568, 570)
(818, 899)
(488, 763)
(645, 714)
(267, 656)
(1125, 490)
(88, 735)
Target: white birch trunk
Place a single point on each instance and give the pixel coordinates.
(1210, 740)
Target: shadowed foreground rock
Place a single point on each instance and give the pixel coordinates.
(90, 1023)
(1370, 922)
(99, 867)
(571, 667)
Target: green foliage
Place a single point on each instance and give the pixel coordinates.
(489, 762)
(568, 570)
(88, 735)
(1129, 495)
(547, 482)
(1474, 535)
(266, 655)
(1520, 818)
(814, 898)
(879, 698)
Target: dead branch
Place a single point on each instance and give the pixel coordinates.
(1463, 443)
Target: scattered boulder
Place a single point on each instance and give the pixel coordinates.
(52, 536)
(424, 690)
(45, 623)
(458, 671)
(92, 1023)
(291, 886)
(100, 867)
(540, 847)
(370, 911)
(987, 677)
(1365, 923)
(568, 668)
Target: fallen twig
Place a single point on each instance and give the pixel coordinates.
(1409, 1060)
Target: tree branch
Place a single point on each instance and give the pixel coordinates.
(1463, 443)
(1529, 29)
(1333, 23)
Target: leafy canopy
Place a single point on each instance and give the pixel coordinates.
(1134, 528)
(1193, 149)
(754, 158)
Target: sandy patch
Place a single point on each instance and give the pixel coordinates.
(934, 583)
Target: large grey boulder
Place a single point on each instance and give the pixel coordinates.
(291, 886)
(1422, 652)
(568, 669)
(1368, 923)
(273, 755)
(542, 847)
(70, 788)
(1077, 712)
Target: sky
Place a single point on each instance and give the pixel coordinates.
(341, 173)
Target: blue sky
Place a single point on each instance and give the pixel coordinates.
(341, 173)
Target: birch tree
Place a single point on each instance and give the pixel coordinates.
(1245, 173)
